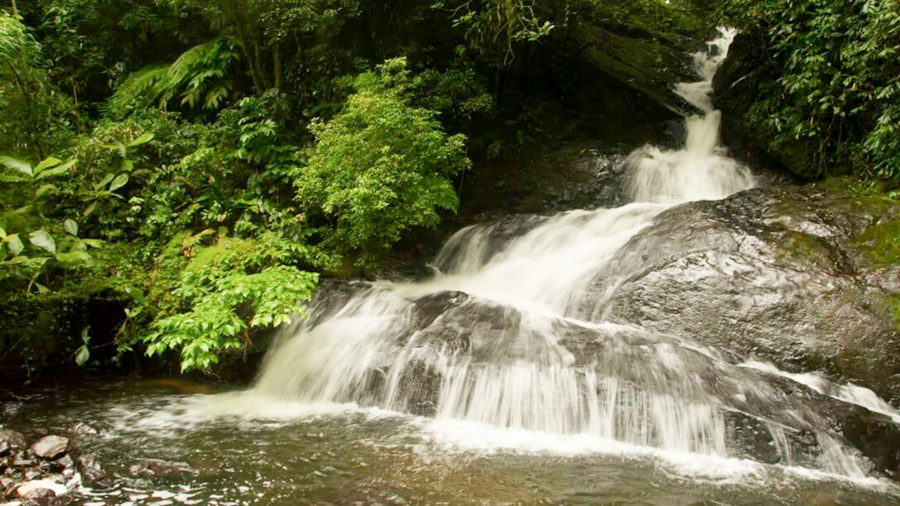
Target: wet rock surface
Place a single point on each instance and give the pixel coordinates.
(159, 468)
(776, 274)
(50, 447)
(11, 440)
(45, 472)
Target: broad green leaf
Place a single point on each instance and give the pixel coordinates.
(41, 288)
(120, 181)
(74, 258)
(126, 165)
(144, 139)
(94, 243)
(62, 169)
(46, 164)
(87, 212)
(16, 165)
(2, 233)
(86, 334)
(15, 245)
(46, 188)
(71, 227)
(105, 181)
(82, 355)
(13, 178)
(43, 240)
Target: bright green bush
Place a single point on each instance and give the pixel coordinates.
(230, 288)
(380, 167)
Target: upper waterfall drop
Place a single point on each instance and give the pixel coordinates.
(701, 170)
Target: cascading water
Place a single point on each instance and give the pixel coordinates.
(501, 335)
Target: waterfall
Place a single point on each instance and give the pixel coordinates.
(499, 335)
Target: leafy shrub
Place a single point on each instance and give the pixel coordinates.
(380, 167)
(230, 288)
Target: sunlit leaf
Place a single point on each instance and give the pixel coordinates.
(126, 165)
(43, 240)
(144, 139)
(16, 165)
(57, 170)
(46, 188)
(46, 164)
(82, 355)
(120, 181)
(94, 243)
(14, 242)
(71, 227)
(105, 181)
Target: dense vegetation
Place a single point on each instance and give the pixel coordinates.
(177, 175)
(832, 81)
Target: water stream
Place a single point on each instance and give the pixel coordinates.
(499, 381)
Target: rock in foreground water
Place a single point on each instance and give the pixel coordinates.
(11, 440)
(50, 447)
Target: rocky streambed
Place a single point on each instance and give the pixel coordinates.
(46, 471)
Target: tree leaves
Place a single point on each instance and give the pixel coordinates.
(42, 239)
(56, 171)
(15, 245)
(120, 181)
(140, 141)
(49, 167)
(71, 227)
(16, 164)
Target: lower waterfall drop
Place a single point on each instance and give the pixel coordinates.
(499, 335)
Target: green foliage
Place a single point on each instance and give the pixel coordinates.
(836, 65)
(198, 76)
(32, 114)
(381, 166)
(230, 288)
(507, 22)
(26, 265)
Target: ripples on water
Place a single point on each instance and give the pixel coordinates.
(245, 449)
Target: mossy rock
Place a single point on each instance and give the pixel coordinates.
(880, 244)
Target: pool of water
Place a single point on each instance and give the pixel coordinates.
(239, 448)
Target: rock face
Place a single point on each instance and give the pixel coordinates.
(50, 447)
(782, 274)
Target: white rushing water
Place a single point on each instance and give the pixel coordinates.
(510, 351)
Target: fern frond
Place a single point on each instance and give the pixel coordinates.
(139, 88)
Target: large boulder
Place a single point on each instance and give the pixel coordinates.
(799, 276)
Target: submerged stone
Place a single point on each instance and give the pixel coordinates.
(81, 429)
